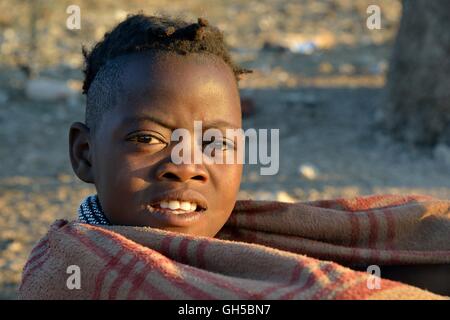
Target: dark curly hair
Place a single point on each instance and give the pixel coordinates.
(139, 33)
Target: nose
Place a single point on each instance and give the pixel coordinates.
(181, 172)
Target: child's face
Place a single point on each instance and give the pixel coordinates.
(130, 152)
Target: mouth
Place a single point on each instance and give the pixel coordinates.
(178, 208)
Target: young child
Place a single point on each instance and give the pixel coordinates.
(146, 78)
(151, 76)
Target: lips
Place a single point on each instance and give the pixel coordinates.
(177, 207)
(175, 198)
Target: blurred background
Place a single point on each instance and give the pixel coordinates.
(360, 111)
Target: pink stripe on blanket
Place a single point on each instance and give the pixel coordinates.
(251, 222)
(249, 207)
(36, 253)
(100, 279)
(373, 235)
(344, 282)
(183, 250)
(360, 290)
(242, 292)
(111, 260)
(295, 275)
(30, 271)
(332, 287)
(165, 245)
(191, 291)
(377, 202)
(124, 273)
(201, 248)
(168, 266)
(390, 220)
(141, 285)
(354, 236)
(374, 229)
(313, 278)
(36, 260)
(222, 283)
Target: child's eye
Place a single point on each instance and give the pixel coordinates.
(146, 138)
(221, 145)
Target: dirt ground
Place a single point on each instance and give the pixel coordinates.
(324, 102)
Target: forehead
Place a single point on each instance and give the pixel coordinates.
(179, 89)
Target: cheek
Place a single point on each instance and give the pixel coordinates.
(122, 186)
(121, 173)
(133, 175)
(229, 180)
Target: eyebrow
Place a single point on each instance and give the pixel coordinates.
(208, 125)
(220, 124)
(150, 119)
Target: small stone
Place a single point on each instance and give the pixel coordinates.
(273, 47)
(299, 43)
(15, 247)
(308, 171)
(307, 47)
(283, 196)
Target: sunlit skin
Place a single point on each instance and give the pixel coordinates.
(129, 156)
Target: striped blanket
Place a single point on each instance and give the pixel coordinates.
(266, 250)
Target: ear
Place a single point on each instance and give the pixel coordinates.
(81, 151)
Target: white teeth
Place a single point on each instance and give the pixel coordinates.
(178, 205)
(185, 205)
(164, 204)
(174, 205)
